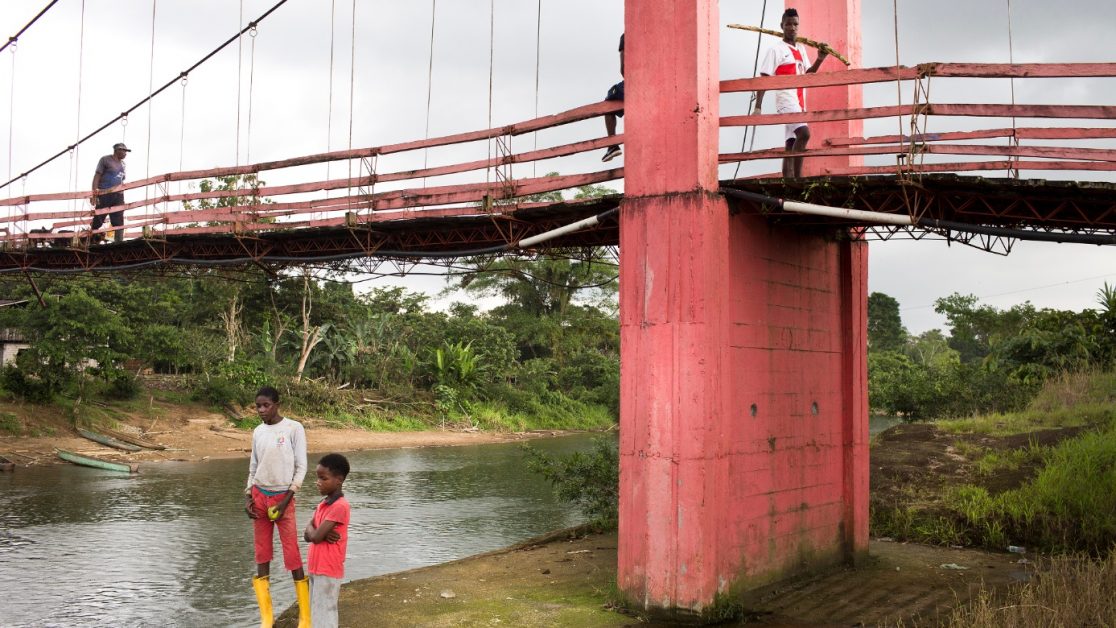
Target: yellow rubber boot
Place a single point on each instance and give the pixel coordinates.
(262, 585)
(302, 592)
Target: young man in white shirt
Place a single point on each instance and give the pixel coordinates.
(789, 57)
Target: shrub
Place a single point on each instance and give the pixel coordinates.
(591, 481)
(27, 388)
(10, 424)
(122, 385)
(234, 381)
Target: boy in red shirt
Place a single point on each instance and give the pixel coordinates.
(328, 535)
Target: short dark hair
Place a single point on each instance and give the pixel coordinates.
(336, 463)
(790, 13)
(269, 392)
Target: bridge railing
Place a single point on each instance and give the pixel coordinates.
(908, 149)
(36, 219)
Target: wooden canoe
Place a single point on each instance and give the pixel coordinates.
(129, 438)
(6, 465)
(107, 440)
(97, 463)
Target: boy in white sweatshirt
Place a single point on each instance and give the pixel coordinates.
(274, 475)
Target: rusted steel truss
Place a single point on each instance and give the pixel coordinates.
(408, 241)
(1055, 207)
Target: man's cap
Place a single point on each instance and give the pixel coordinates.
(121, 146)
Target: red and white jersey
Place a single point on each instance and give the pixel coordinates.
(783, 59)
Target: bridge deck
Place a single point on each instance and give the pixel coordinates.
(1031, 204)
(375, 211)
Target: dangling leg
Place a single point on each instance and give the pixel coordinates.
(801, 140)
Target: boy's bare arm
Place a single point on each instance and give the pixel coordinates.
(322, 534)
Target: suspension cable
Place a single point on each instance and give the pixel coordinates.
(538, 53)
(150, 86)
(11, 125)
(193, 67)
(77, 129)
(1012, 172)
(240, 65)
(329, 110)
(491, 61)
(755, 68)
(182, 127)
(898, 82)
(429, 83)
(11, 113)
(14, 38)
(251, 80)
(182, 133)
(352, 89)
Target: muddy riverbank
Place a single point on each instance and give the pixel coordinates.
(193, 433)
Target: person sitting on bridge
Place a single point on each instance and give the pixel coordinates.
(790, 58)
(109, 174)
(616, 92)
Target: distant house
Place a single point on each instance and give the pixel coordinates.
(11, 340)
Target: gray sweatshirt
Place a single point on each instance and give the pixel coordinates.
(278, 456)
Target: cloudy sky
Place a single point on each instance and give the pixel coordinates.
(284, 88)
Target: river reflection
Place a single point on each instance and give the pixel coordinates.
(172, 546)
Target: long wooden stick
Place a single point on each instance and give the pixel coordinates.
(809, 42)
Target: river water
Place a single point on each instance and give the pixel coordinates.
(172, 546)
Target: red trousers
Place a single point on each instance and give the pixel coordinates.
(263, 529)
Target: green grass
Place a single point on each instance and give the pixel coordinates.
(1031, 420)
(1072, 400)
(1068, 505)
(571, 415)
(993, 462)
(10, 424)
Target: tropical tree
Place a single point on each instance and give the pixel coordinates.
(885, 326)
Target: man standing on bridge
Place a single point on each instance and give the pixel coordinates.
(109, 174)
(616, 93)
(789, 57)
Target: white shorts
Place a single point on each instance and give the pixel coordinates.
(323, 600)
(793, 126)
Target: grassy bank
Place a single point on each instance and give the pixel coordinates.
(1040, 478)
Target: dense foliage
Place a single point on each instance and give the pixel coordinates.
(991, 360)
(385, 357)
(547, 356)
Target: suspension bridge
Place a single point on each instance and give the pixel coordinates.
(743, 433)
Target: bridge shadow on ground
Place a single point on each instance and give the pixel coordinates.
(560, 581)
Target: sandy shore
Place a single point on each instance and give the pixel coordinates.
(193, 434)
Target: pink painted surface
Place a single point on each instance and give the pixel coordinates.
(1048, 152)
(718, 314)
(671, 107)
(955, 70)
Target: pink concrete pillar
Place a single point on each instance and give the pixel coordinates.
(743, 422)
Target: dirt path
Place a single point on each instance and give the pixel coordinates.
(192, 433)
(568, 581)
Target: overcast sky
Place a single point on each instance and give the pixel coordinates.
(286, 78)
